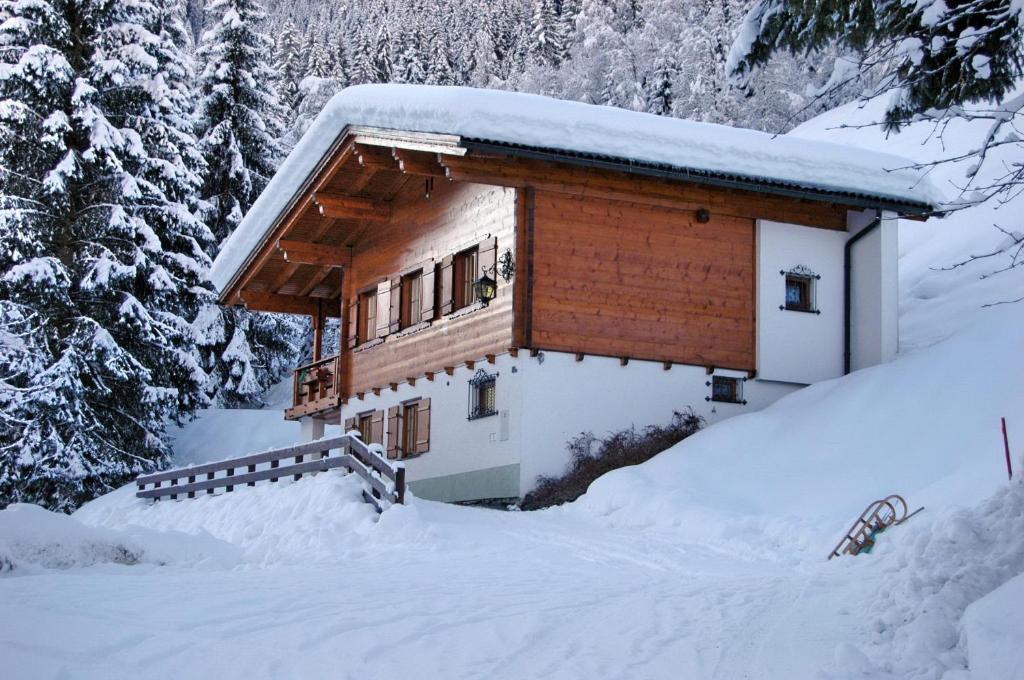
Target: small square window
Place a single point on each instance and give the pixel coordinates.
(726, 389)
(799, 293)
(482, 395)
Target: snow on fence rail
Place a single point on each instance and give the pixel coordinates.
(385, 480)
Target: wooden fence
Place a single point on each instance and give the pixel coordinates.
(385, 481)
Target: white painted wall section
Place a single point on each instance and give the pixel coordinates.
(792, 346)
(874, 290)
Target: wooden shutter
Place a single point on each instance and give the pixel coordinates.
(384, 294)
(423, 426)
(487, 257)
(377, 428)
(393, 433)
(353, 323)
(447, 301)
(395, 310)
(427, 295)
(350, 424)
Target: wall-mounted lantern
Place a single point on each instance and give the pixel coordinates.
(486, 289)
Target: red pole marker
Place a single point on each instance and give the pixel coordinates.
(1006, 447)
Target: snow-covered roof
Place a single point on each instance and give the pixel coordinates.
(574, 128)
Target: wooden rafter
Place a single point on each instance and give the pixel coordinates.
(319, 277)
(304, 252)
(346, 207)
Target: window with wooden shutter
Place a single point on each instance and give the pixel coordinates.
(408, 425)
(384, 308)
(465, 274)
(412, 299)
(363, 424)
(393, 432)
(427, 292)
(366, 316)
(377, 427)
(353, 324)
(447, 285)
(422, 444)
(487, 258)
(395, 308)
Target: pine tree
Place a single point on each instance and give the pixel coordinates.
(100, 254)
(239, 123)
(547, 47)
(287, 66)
(382, 63)
(659, 90)
(408, 67)
(363, 69)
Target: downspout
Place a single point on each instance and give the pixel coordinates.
(847, 294)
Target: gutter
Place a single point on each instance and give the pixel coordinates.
(847, 294)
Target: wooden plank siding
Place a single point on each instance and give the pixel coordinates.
(456, 216)
(628, 279)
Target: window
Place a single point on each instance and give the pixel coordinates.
(800, 284)
(366, 427)
(407, 425)
(367, 316)
(409, 429)
(412, 299)
(482, 395)
(727, 389)
(465, 277)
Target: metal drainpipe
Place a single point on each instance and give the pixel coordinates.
(847, 271)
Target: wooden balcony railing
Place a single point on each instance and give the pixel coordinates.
(316, 387)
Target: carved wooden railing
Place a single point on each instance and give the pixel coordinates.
(316, 387)
(385, 480)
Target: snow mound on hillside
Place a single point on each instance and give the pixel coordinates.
(793, 476)
(931, 574)
(32, 537)
(318, 518)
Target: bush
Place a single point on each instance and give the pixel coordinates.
(593, 457)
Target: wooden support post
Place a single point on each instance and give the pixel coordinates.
(209, 475)
(274, 464)
(231, 473)
(252, 468)
(174, 496)
(318, 331)
(191, 480)
(298, 459)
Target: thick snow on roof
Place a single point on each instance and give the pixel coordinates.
(545, 123)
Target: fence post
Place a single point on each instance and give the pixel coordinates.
(400, 485)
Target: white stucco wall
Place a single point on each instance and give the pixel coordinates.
(874, 287)
(457, 445)
(794, 346)
(563, 397)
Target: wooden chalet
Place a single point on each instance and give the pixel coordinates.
(495, 297)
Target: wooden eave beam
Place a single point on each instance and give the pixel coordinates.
(287, 304)
(319, 254)
(418, 163)
(376, 157)
(346, 207)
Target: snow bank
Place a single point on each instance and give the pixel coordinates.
(995, 649)
(32, 537)
(317, 518)
(542, 122)
(796, 474)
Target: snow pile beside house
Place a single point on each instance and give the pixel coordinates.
(792, 476)
(544, 123)
(32, 537)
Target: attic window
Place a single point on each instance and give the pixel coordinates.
(800, 290)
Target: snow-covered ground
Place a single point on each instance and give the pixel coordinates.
(706, 562)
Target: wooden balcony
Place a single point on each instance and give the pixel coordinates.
(316, 388)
